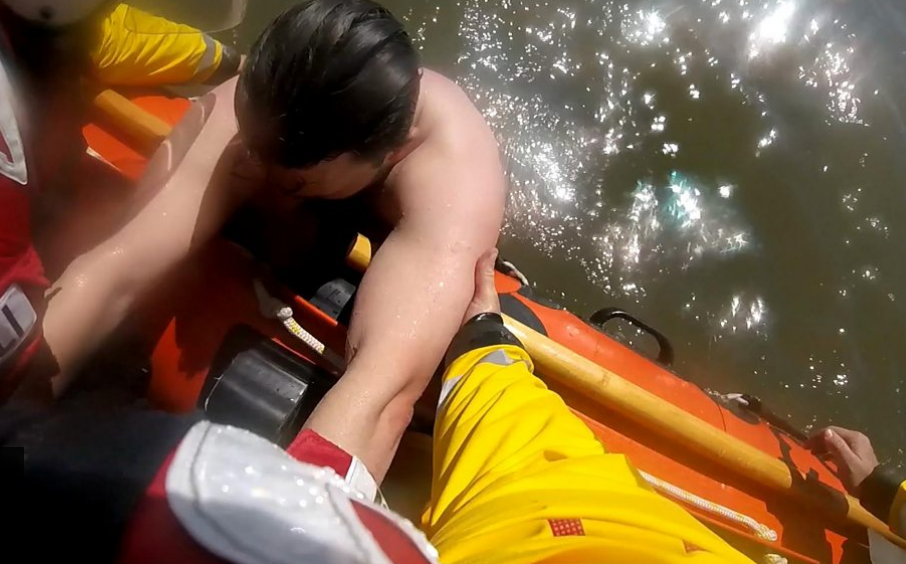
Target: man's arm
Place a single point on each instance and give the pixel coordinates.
(413, 297)
(187, 201)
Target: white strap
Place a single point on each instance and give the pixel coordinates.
(17, 321)
(883, 551)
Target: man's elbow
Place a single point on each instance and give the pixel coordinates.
(394, 404)
(397, 415)
(105, 274)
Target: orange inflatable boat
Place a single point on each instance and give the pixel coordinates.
(217, 346)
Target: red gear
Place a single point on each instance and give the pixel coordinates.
(154, 534)
(19, 262)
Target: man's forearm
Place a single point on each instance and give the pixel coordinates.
(186, 207)
(85, 307)
(369, 409)
(409, 306)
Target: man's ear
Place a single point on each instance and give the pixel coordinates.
(412, 142)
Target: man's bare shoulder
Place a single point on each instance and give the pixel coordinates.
(456, 170)
(210, 116)
(239, 174)
(447, 115)
(454, 135)
(223, 105)
(433, 82)
(207, 133)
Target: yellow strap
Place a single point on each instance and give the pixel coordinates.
(895, 519)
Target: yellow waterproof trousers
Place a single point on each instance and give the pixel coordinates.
(519, 479)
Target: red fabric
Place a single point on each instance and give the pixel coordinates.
(155, 535)
(19, 263)
(691, 548)
(397, 546)
(312, 448)
(567, 527)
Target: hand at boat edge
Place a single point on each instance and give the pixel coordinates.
(851, 451)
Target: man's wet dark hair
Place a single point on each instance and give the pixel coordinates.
(325, 78)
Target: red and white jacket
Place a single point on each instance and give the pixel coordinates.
(22, 281)
(142, 487)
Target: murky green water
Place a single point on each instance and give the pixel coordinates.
(731, 171)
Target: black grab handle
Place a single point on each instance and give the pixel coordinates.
(755, 405)
(665, 355)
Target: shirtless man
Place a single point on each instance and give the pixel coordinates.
(332, 101)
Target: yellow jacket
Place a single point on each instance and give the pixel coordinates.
(134, 48)
(519, 479)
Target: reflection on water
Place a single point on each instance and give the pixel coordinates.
(729, 170)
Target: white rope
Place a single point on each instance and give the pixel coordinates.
(775, 559)
(273, 308)
(734, 398)
(761, 531)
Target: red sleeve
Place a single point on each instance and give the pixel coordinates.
(312, 448)
(154, 535)
(84, 473)
(19, 266)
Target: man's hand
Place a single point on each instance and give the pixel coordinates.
(485, 299)
(850, 450)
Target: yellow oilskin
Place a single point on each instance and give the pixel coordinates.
(509, 457)
(897, 510)
(137, 49)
